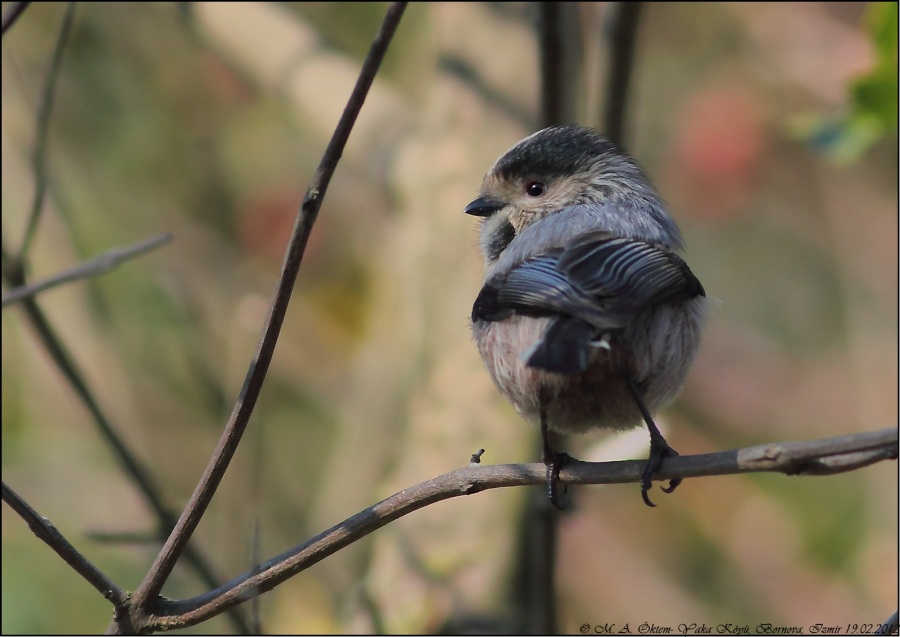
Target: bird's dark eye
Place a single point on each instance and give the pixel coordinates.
(535, 188)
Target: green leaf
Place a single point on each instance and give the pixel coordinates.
(872, 108)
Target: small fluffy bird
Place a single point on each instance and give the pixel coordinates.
(587, 317)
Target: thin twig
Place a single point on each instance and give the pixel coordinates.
(625, 20)
(94, 267)
(14, 13)
(43, 528)
(137, 538)
(146, 595)
(14, 276)
(43, 128)
(790, 458)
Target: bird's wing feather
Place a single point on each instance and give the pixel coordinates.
(598, 278)
(631, 274)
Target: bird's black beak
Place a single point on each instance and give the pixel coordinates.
(483, 207)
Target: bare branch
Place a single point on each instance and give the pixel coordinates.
(94, 267)
(625, 20)
(14, 13)
(814, 457)
(560, 48)
(145, 596)
(552, 72)
(791, 458)
(43, 128)
(43, 528)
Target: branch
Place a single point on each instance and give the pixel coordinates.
(43, 127)
(145, 597)
(815, 457)
(561, 60)
(94, 267)
(42, 528)
(551, 44)
(622, 41)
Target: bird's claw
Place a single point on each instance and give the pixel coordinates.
(554, 461)
(658, 452)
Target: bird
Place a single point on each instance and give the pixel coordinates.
(587, 317)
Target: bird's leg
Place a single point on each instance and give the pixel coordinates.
(659, 448)
(553, 460)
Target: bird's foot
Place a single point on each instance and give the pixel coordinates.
(659, 451)
(554, 461)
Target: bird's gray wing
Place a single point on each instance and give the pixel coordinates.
(626, 274)
(598, 278)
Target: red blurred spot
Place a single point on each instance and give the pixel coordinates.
(717, 151)
(265, 224)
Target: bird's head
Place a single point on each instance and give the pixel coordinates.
(554, 169)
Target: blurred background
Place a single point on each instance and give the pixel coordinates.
(770, 129)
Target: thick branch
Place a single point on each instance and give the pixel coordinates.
(814, 457)
(552, 71)
(625, 21)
